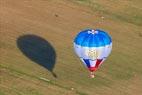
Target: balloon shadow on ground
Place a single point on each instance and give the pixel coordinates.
(38, 50)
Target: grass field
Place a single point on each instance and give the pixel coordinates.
(36, 47)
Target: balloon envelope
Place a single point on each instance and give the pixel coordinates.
(92, 47)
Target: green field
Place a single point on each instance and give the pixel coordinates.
(36, 47)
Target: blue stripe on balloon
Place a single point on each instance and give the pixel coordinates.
(86, 40)
(92, 40)
(81, 37)
(87, 62)
(107, 38)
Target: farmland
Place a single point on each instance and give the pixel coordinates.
(36, 47)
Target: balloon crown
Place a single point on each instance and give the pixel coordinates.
(93, 31)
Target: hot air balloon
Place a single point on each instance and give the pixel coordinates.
(92, 47)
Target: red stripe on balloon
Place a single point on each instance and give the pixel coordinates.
(98, 62)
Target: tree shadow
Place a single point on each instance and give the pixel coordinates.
(38, 50)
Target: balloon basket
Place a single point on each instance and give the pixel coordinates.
(92, 75)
